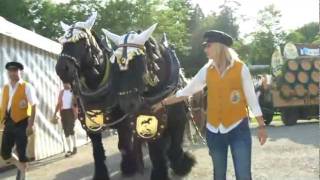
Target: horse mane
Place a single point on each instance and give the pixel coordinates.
(103, 46)
(154, 51)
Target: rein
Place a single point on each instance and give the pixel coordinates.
(83, 116)
(132, 45)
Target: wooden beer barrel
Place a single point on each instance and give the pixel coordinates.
(300, 90)
(290, 77)
(293, 65)
(306, 65)
(286, 91)
(316, 64)
(313, 89)
(315, 76)
(303, 77)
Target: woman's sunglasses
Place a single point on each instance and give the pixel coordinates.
(206, 45)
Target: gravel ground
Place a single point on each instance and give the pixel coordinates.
(291, 153)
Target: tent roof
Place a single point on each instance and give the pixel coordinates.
(12, 30)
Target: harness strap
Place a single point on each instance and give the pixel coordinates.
(132, 45)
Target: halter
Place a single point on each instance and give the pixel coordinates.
(73, 59)
(94, 50)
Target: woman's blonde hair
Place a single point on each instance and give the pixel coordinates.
(224, 52)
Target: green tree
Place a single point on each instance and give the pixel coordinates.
(305, 34)
(295, 37)
(17, 11)
(226, 20)
(268, 36)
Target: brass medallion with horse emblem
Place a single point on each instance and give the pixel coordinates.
(149, 126)
(94, 120)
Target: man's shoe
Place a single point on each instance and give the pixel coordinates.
(74, 151)
(68, 154)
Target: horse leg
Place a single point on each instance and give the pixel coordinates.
(139, 154)
(157, 152)
(127, 146)
(181, 162)
(100, 168)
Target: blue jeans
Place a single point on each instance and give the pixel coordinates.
(239, 140)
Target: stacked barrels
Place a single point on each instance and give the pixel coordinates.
(300, 78)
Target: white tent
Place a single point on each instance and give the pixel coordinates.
(39, 55)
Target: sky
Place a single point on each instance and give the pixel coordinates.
(295, 13)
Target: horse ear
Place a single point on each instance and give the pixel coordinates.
(64, 26)
(145, 35)
(91, 20)
(114, 38)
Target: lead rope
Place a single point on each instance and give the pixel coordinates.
(198, 132)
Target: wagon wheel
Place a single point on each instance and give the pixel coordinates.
(267, 114)
(289, 116)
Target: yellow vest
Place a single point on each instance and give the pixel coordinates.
(226, 100)
(20, 108)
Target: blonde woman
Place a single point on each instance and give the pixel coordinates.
(230, 92)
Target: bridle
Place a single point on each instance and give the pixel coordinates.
(94, 50)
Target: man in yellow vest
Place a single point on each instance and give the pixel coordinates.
(18, 107)
(230, 92)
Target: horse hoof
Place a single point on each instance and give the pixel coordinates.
(128, 168)
(183, 166)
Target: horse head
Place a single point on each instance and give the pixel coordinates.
(81, 53)
(84, 58)
(141, 68)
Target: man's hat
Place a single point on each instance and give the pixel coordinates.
(14, 65)
(213, 36)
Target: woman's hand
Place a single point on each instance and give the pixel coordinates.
(157, 107)
(262, 135)
(262, 132)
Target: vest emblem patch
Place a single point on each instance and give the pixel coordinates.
(23, 104)
(235, 96)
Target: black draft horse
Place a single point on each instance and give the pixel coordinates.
(144, 73)
(84, 62)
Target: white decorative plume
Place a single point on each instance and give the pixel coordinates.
(133, 38)
(139, 39)
(88, 24)
(113, 37)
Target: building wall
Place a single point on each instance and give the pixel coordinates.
(39, 70)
